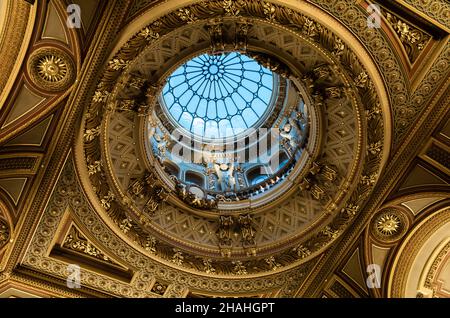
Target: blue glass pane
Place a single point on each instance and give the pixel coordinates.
(221, 109)
(238, 124)
(259, 179)
(218, 95)
(198, 126)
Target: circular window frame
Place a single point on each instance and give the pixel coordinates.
(276, 103)
(261, 120)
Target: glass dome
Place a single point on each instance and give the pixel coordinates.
(217, 96)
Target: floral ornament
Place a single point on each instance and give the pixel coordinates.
(239, 268)
(118, 64)
(90, 134)
(302, 251)
(149, 34)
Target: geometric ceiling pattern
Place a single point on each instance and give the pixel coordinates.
(364, 210)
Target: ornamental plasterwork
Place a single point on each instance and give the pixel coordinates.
(438, 9)
(77, 242)
(435, 75)
(4, 233)
(413, 39)
(379, 47)
(410, 248)
(149, 274)
(389, 225)
(123, 137)
(19, 13)
(432, 277)
(364, 87)
(51, 69)
(406, 106)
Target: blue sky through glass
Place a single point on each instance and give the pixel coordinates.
(218, 96)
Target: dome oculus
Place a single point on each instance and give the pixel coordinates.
(217, 96)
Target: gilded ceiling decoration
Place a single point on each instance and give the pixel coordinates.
(436, 276)
(11, 38)
(76, 242)
(136, 208)
(144, 267)
(433, 227)
(4, 233)
(414, 40)
(389, 225)
(51, 69)
(226, 148)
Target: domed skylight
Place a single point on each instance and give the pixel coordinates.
(216, 96)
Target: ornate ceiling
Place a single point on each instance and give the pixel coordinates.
(361, 211)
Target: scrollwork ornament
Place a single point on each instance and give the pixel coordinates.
(150, 244)
(350, 211)
(100, 96)
(208, 267)
(413, 39)
(91, 134)
(107, 199)
(247, 230)
(177, 257)
(273, 265)
(302, 251)
(330, 232)
(239, 268)
(269, 10)
(94, 167)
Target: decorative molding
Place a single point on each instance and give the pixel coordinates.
(438, 10)
(68, 196)
(109, 27)
(17, 19)
(430, 281)
(75, 241)
(389, 225)
(373, 147)
(51, 69)
(18, 163)
(134, 223)
(398, 275)
(413, 39)
(5, 233)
